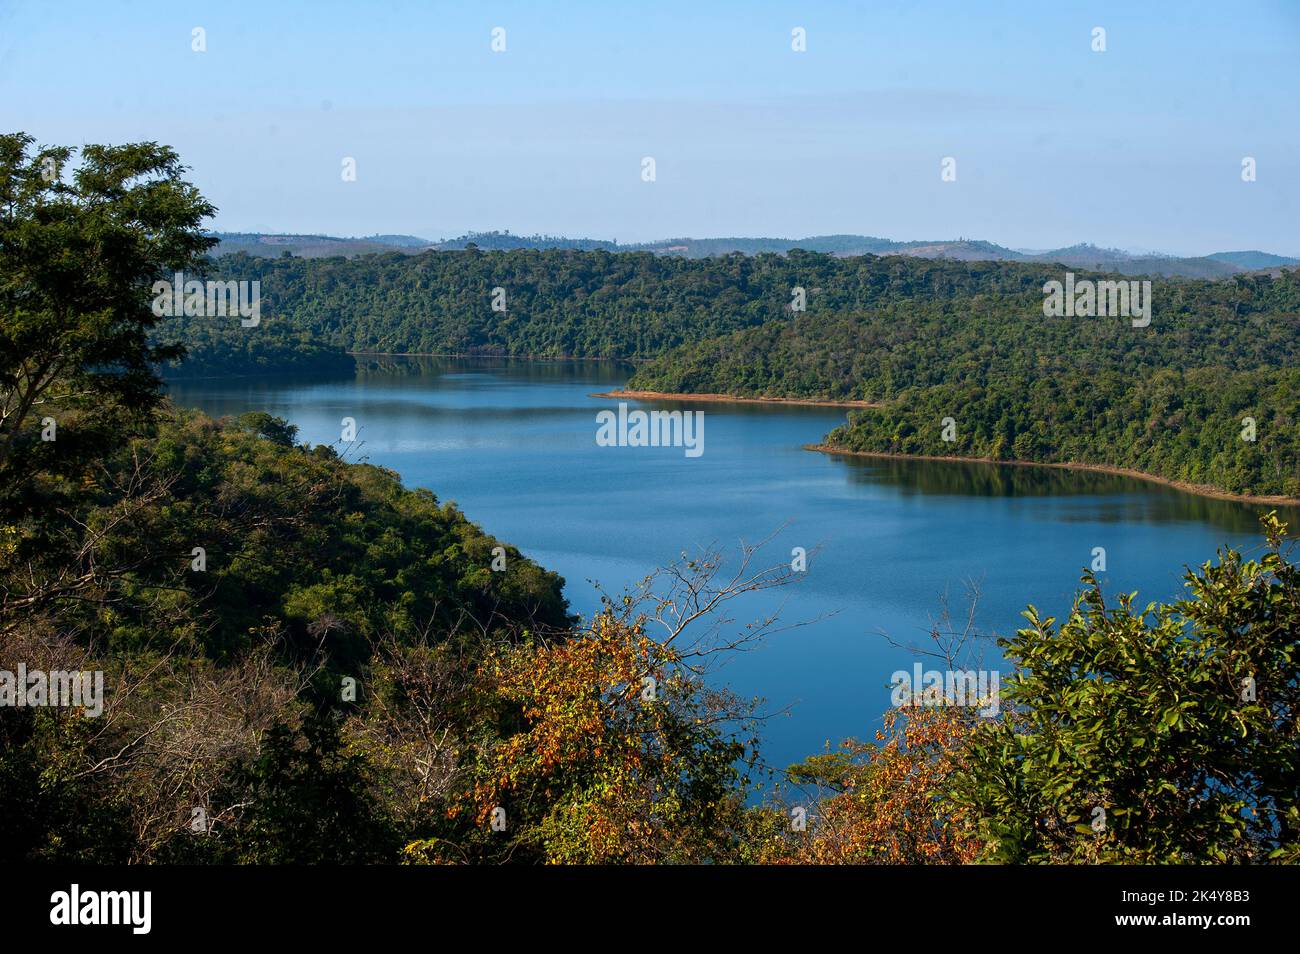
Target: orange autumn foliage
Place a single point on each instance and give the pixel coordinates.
(609, 751)
(890, 805)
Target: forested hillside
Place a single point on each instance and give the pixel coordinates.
(1210, 428)
(638, 306)
(1207, 395)
(227, 583)
(921, 339)
(577, 304)
(218, 349)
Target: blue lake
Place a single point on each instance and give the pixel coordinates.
(513, 444)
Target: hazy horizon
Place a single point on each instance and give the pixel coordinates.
(1136, 147)
(438, 238)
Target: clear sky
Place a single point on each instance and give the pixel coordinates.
(1138, 147)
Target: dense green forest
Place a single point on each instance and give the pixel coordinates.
(228, 661)
(1237, 431)
(562, 303)
(923, 340)
(214, 350)
(1206, 395)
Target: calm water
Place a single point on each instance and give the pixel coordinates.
(513, 444)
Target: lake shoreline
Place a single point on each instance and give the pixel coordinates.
(726, 399)
(488, 357)
(1200, 490)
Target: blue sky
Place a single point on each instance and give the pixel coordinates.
(1137, 147)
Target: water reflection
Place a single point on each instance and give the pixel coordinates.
(1122, 499)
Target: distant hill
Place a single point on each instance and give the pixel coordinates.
(401, 241)
(1126, 263)
(1082, 256)
(1254, 259)
(841, 245)
(314, 246)
(505, 242)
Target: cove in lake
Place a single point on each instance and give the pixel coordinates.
(513, 444)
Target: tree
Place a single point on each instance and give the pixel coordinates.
(78, 257)
(606, 744)
(275, 429)
(1164, 735)
(889, 800)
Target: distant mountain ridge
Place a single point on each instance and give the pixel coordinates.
(1082, 256)
(271, 245)
(1253, 259)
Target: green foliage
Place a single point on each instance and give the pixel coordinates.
(1181, 425)
(980, 329)
(332, 551)
(1168, 400)
(1177, 722)
(309, 805)
(274, 429)
(213, 675)
(221, 347)
(78, 252)
(563, 303)
(44, 815)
